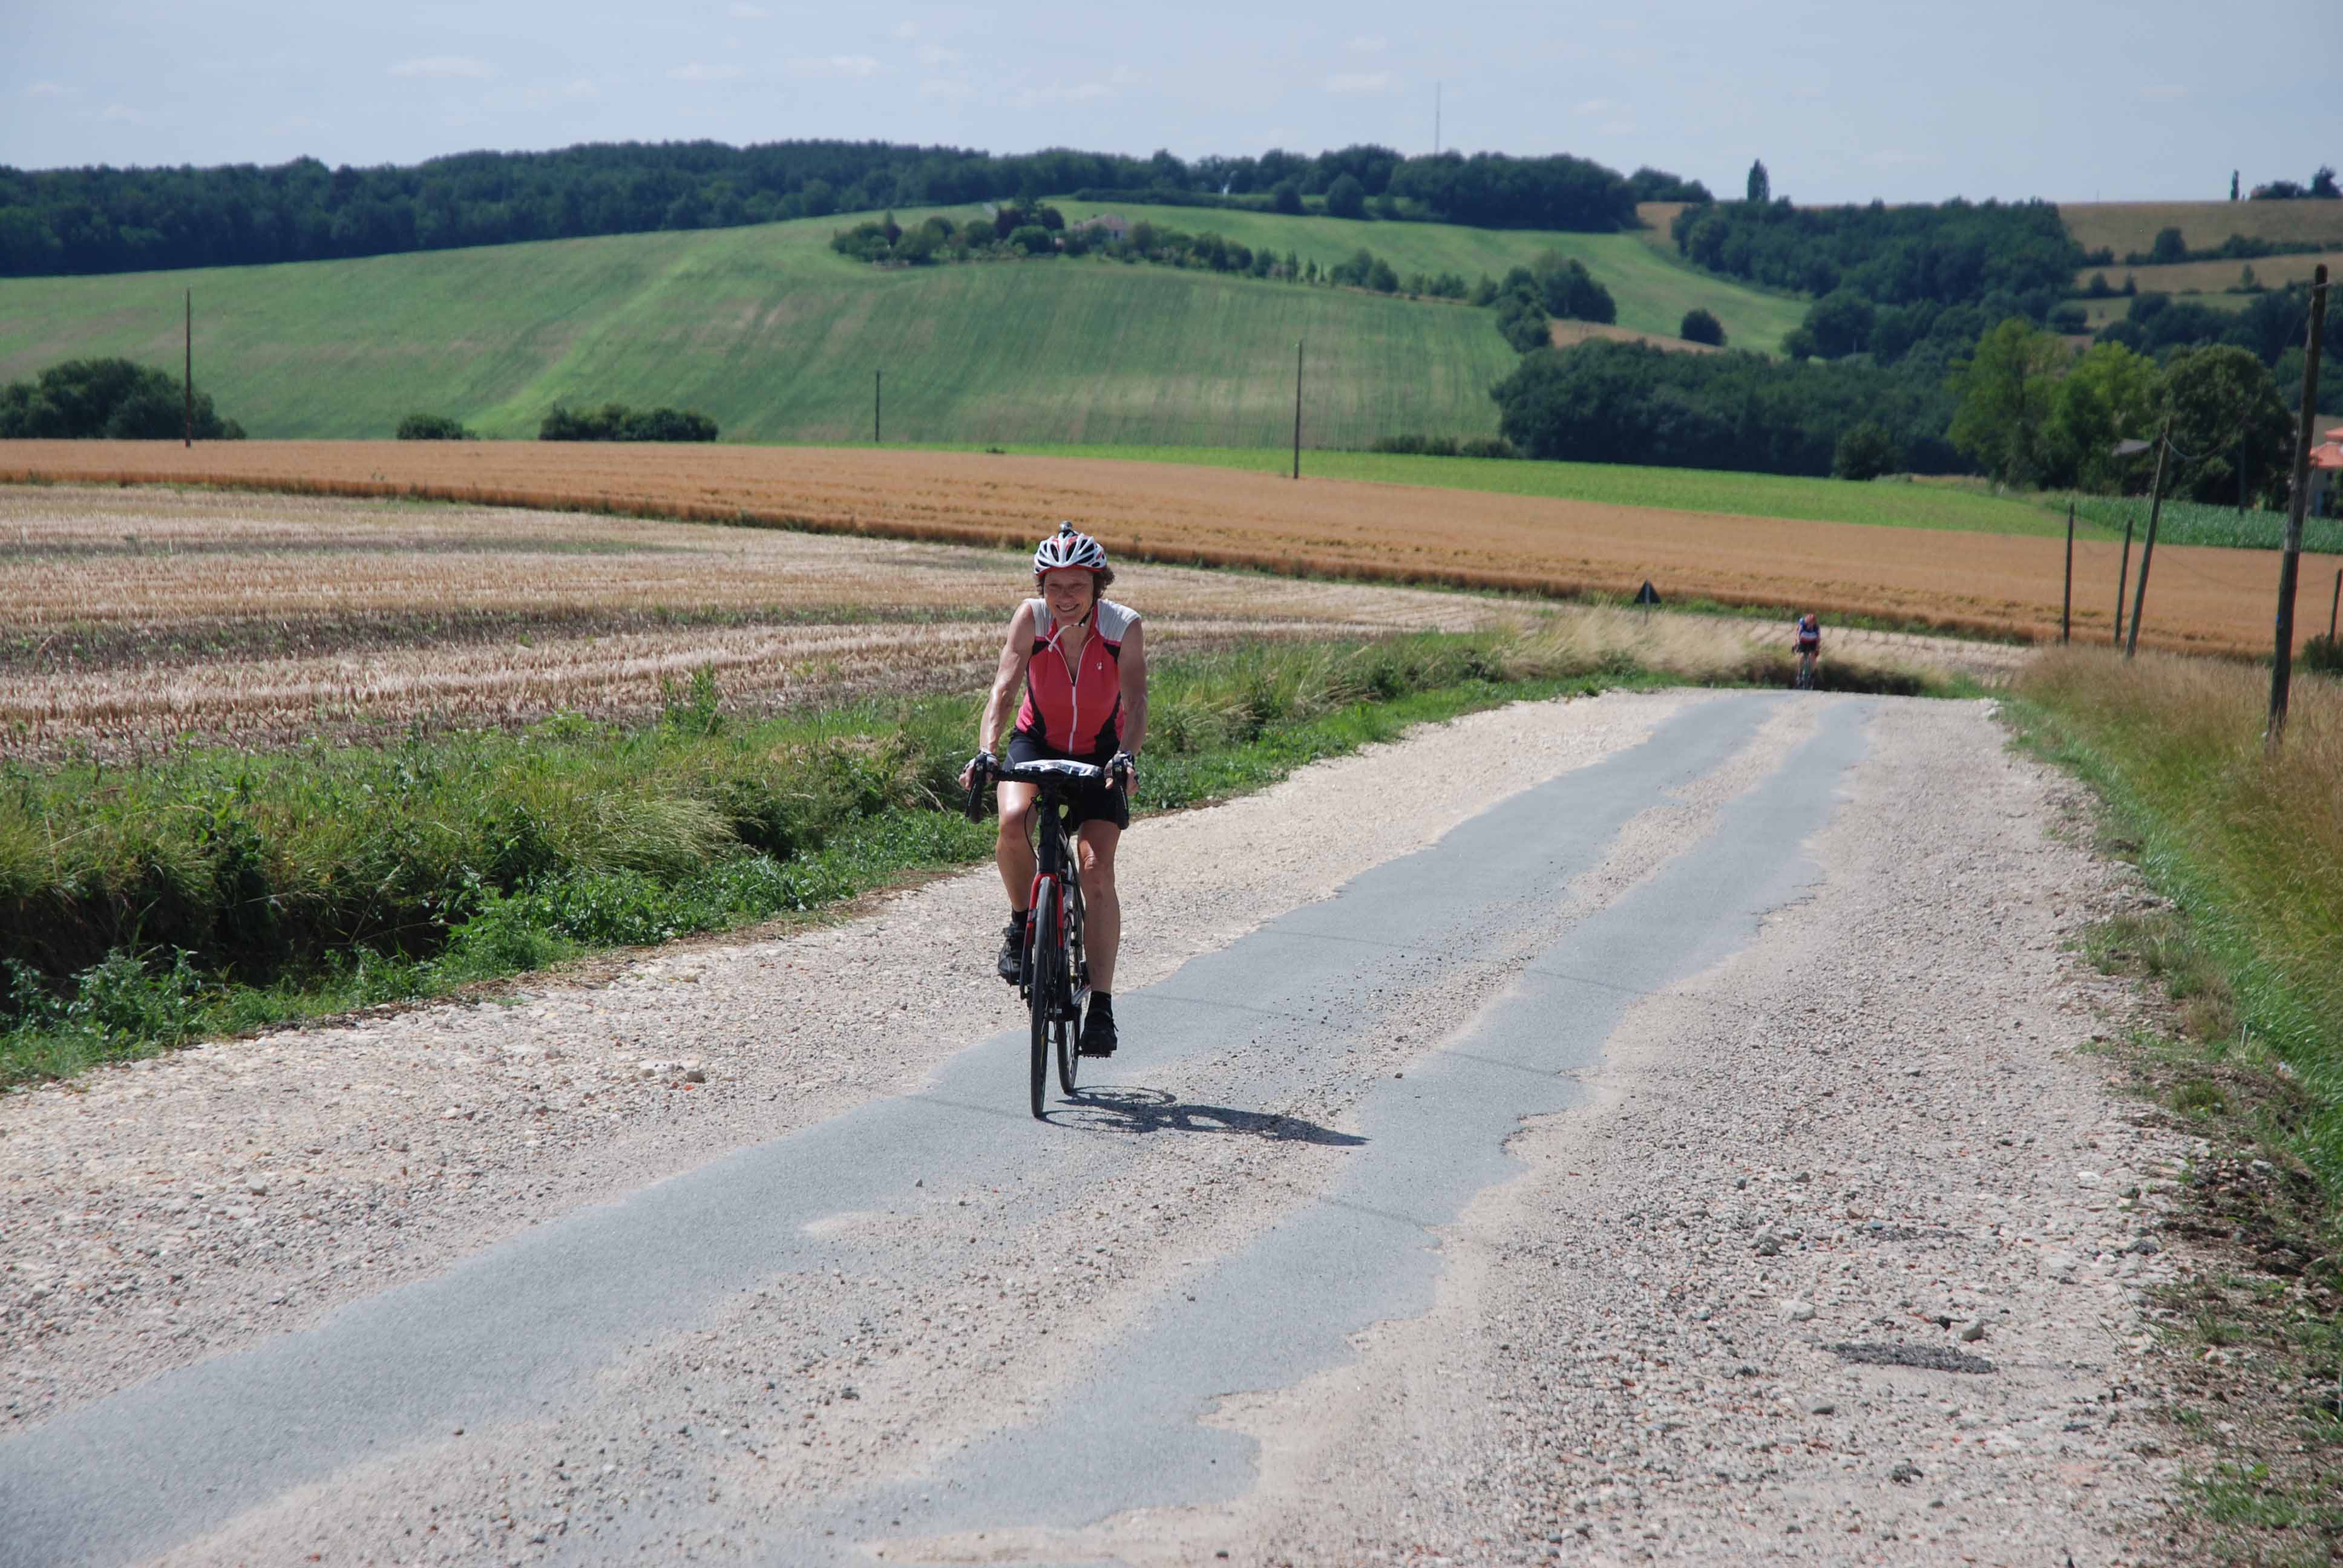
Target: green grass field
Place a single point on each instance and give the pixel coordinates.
(1652, 290)
(776, 337)
(1890, 503)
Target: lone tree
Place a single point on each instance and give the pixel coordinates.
(2233, 184)
(2005, 389)
(1346, 198)
(1761, 188)
(1701, 326)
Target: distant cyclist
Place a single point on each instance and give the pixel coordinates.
(1084, 663)
(1809, 632)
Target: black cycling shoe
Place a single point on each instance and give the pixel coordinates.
(1098, 1032)
(1011, 966)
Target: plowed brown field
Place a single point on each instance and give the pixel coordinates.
(2209, 600)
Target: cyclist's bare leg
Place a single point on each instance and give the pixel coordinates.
(1101, 909)
(1013, 852)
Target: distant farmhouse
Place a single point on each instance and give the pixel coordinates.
(1113, 225)
(2326, 473)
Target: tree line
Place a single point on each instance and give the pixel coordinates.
(1950, 253)
(99, 220)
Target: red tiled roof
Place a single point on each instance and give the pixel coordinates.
(2329, 456)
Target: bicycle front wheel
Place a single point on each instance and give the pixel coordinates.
(1070, 1023)
(1044, 982)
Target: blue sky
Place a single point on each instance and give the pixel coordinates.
(1845, 99)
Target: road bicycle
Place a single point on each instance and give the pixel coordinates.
(1804, 679)
(1055, 980)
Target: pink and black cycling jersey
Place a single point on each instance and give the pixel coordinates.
(1073, 705)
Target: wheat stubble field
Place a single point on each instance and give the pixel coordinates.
(137, 618)
(2204, 600)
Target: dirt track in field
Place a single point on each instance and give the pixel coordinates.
(2203, 600)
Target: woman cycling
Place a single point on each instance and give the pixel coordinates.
(1082, 661)
(1809, 633)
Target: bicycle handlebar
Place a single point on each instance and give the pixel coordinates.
(1050, 770)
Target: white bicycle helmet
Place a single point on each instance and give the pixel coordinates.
(1067, 547)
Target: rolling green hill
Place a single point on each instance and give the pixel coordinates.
(777, 337)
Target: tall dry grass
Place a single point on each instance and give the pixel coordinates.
(2249, 839)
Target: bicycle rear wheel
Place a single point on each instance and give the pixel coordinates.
(1043, 982)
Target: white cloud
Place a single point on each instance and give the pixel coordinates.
(905, 29)
(1617, 127)
(445, 68)
(849, 66)
(1370, 43)
(48, 90)
(741, 11)
(700, 71)
(1359, 82)
(936, 55)
(1598, 105)
(947, 89)
(122, 113)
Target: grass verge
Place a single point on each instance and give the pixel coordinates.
(2246, 947)
(218, 893)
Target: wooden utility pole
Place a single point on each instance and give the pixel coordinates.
(2290, 568)
(2335, 604)
(877, 388)
(2066, 611)
(188, 382)
(2122, 577)
(2148, 550)
(1297, 408)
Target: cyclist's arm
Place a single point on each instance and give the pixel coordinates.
(1133, 665)
(1008, 679)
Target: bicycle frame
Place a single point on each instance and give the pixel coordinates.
(1055, 982)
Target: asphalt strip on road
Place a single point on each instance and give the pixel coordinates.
(1430, 942)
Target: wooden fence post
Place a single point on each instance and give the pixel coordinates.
(2148, 548)
(2066, 609)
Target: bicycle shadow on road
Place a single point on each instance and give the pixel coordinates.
(1145, 1110)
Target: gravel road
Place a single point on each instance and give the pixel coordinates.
(1652, 1127)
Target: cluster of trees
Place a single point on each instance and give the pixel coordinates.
(1632, 403)
(433, 428)
(616, 422)
(2322, 187)
(1553, 285)
(113, 399)
(2034, 412)
(2273, 327)
(1954, 253)
(92, 221)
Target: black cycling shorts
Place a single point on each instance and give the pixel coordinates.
(1084, 802)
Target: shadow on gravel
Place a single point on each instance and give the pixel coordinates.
(1153, 1110)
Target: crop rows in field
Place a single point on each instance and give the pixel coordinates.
(139, 619)
(2003, 584)
(2195, 523)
